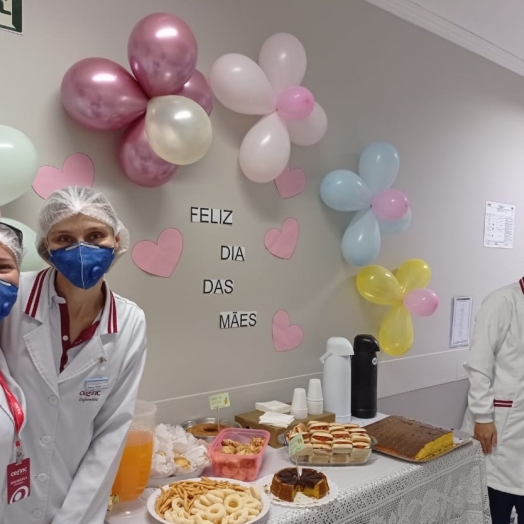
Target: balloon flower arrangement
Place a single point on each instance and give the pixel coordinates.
(271, 88)
(379, 207)
(166, 104)
(406, 293)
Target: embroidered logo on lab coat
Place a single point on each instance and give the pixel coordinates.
(89, 396)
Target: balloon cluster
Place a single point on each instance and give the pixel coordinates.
(271, 88)
(406, 293)
(379, 208)
(175, 98)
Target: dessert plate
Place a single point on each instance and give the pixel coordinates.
(151, 501)
(459, 439)
(301, 501)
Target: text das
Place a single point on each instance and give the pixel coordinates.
(218, 287)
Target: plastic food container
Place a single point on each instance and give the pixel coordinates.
(239, 467)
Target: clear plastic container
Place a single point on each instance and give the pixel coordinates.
(239, 467)
(135, 465)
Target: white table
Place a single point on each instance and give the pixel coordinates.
(450, 489)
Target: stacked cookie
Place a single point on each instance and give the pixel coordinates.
(331, 442)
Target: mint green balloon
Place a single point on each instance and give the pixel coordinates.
(31, 260)
(18, 164)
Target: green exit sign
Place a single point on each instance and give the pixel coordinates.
(11, 15)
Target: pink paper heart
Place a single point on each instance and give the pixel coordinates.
(159, 259)
(282, 243)
(286, 336)
(291, 182)
(78, 170)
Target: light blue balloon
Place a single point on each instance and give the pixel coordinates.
(344, 190)
(361, 240)
(378, 166)
(391, 228)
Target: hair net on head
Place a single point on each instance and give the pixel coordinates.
(10, 239)
(73, 200)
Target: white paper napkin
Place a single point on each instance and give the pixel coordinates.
(279, 420)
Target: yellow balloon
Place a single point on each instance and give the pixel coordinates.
(413, 274)
(379, 286)
(396, 332)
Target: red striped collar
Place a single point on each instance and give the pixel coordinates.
(503, 403)
(521, 282)
(42, 287)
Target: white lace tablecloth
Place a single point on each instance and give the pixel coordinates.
(449, 490)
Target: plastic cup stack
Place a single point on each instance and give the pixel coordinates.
(299, 404)
(314, 400)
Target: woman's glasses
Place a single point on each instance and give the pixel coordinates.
(15, 230)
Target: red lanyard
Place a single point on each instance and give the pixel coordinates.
(15, 407)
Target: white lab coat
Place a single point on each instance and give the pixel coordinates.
(495, 368)
(7, 429)
(74, 440)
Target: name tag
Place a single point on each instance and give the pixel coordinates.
(97, 383)
(18, 481)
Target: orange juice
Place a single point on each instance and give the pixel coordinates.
(135, 466)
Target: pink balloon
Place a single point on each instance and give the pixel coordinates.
(421, 302)
(100, 94)
(162, 52)
(390, 205)
(198, 89)
(295, 103)
(139, 162)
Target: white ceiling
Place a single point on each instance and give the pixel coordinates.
(490, 28)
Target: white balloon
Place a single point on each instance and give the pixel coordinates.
(283, 59)
(265, 150)
(240, 84)
(18, 164)
(310, 130)
(177, 129)
(31, 260)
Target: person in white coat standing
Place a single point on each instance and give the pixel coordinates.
(12, 402)
(77, 350)
(495, 413)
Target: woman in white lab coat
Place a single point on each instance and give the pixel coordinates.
(12, 403)
(495, 414)
(77, 350)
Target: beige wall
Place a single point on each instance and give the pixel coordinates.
(456, 119)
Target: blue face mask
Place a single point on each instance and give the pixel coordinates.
(83, 264)
(8, 294)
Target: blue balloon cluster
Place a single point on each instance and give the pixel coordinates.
(343, 190)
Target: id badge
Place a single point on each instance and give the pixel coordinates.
(97, 383)
(18, 481)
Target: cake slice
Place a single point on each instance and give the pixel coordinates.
(409, 438)
(286, 484)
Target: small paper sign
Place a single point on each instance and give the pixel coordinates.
(219, 400)
(295, 445)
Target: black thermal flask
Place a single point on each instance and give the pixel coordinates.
(364, 377)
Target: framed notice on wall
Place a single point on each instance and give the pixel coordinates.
(460, 322)
(11, 15)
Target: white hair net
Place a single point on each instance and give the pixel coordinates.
(74, 200)
(10, 239)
